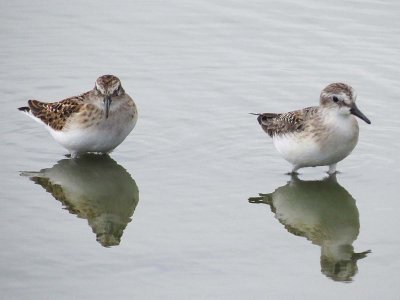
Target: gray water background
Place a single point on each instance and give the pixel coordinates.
(195, 69)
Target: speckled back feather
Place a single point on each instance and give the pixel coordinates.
(280, 124)
(56, 114)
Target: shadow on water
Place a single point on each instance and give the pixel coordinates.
(326, 214)
(96, 188)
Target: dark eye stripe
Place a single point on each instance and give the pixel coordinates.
(117, 91)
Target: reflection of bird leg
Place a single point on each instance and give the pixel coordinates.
(361, 255)
(331, 178)
(263, 198)
(294, 177)
(293, 173)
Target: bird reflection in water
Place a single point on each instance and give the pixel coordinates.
(326, 214)
(96, 188)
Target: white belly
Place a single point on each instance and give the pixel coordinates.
(304, 150)
(102, 138)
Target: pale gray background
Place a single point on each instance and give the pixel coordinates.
(195, 69)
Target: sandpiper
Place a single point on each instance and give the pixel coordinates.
(320, 135)
(96, 121)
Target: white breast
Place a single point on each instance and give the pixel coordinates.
(328, 146)
(103, 137)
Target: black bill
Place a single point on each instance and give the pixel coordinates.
(107, 103)
(355, 111)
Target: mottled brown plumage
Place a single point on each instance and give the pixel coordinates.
(56, 114)
(320, 135)
(283, 123)
(338, 88)
(95, 121)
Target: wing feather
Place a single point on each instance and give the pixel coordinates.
(283, 123)
(55, 114)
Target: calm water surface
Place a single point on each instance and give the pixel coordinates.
(195, 204)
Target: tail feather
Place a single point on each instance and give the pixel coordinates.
(263, 118)
(24, 109)
(259, 119)
(30, 112)
(34, 107)
(259, 116)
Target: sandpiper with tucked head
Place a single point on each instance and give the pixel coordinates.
(96, 121)
(317, 136)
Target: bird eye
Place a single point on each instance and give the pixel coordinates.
(335, 99)
(96, 90)
(117, 91)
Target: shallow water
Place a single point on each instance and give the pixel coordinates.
(168, 214)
